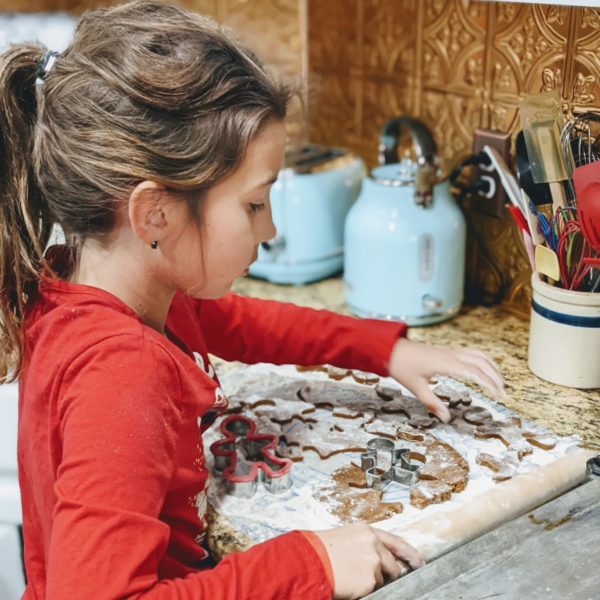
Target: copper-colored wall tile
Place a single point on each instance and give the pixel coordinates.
(387, 45)
(380, 99)
(453, 46)
(529, 49)
(333, 107)
(332, 36)
(583, 89)
(458, 65)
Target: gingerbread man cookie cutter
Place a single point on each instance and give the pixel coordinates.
(399, 467)
(247, 458)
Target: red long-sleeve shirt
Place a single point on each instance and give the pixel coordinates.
(111, 463)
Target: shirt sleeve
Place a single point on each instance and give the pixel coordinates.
(253, 330)
(120, 417)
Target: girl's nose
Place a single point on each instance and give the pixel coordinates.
(271, 230)
(267, 230)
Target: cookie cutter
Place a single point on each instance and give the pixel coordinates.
(401, 469)
(247, 458)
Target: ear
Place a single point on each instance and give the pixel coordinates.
(147, 212)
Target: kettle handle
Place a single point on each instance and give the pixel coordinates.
(421, 136)
(426, 151)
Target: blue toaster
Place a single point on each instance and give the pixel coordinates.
(310, 201)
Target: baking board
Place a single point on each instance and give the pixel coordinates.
(266, 515)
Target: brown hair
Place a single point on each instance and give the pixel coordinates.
(144, 91)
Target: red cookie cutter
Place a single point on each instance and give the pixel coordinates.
(247, 458)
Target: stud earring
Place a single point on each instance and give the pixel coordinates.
(154, 245)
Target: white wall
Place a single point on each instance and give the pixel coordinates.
(54, 30)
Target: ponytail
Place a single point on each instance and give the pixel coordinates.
(144, 91)
(25, 222)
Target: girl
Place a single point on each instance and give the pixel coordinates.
(153, 141)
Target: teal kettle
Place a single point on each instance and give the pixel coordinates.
(405, 236)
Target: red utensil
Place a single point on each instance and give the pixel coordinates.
(586, 180)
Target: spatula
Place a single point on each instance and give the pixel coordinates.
(546, 263)
(542, 120)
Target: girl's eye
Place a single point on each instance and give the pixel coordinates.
(257, 207)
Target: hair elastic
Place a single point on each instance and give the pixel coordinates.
(45, 65)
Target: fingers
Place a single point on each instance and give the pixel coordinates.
(434, 405)
(486, 358)
(390, 568)
(482, 370)
(468, 363)
(399, 548)
(379, 577)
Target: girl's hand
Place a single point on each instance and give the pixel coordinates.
(414, 364)
(363, 558)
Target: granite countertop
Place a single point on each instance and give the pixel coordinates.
(495, 330)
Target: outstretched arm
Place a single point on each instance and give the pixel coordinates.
(253, 330)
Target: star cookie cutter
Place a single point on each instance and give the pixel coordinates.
(247, 458)
(400, 469)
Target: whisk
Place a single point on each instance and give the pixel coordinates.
(580, 144)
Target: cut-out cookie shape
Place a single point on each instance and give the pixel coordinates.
(324, 437)
(336, 373)
(486, 427)
(339, 373)
(451, 475)
(453, 398)
(443, 463)
(282, 411)
(407, 432)
(346, 412)
(346, 396)
(282, 389)
(290, 450)
(384, 426)
(364, 377)
(503, 468)
(545, 442)
(508, 432)
(304, 368)
(247, 458)
(425, 493)
(423, 422)
(349, 498)
(477, 415)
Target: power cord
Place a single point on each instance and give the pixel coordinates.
(473, 160)
(485, 188)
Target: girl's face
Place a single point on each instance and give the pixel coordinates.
(235, 219)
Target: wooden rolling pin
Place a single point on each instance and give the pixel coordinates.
(441, 532)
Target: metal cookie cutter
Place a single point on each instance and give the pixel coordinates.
(247, 458)
(400, 469)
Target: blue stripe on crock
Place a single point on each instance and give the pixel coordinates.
(564, 319)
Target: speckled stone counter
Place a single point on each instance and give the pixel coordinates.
(494, 330)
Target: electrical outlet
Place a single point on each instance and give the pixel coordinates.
(500, 141)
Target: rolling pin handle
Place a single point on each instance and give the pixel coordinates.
(593, 466)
